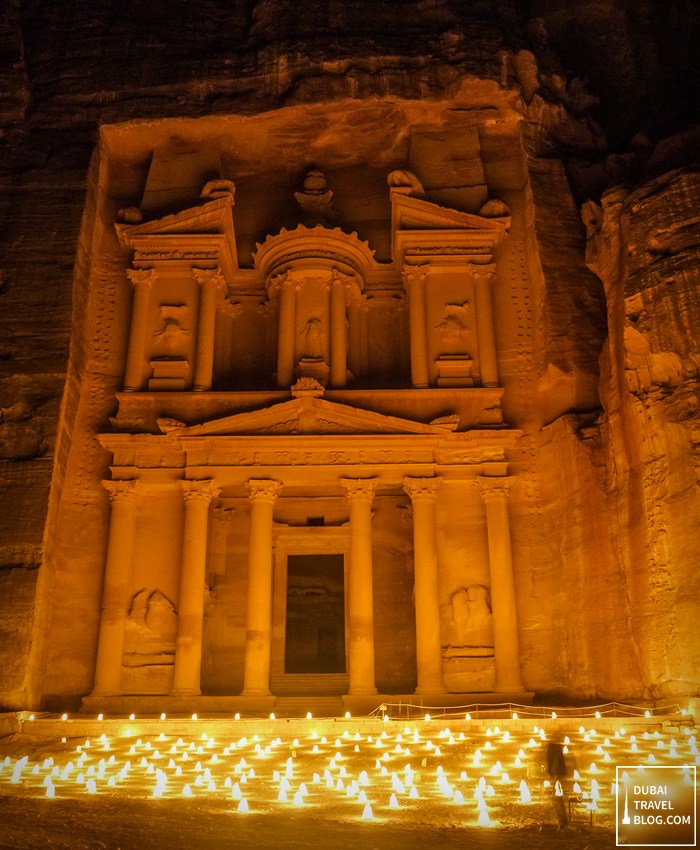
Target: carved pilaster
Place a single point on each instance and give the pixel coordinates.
(486, 333)
(360, 494)
(115, 589)
(188, 646)
(495, 493)
(423, 494)
(211, 283)
(286, 288)
(262, 493)
(414, 281)
(142, 280)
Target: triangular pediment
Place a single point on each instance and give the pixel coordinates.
(416, 214)
(307, 416)
(210, 217)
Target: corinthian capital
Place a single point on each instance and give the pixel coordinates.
(359, 488)
(263, 489)
(483, 274)
(203, 490)
(209, 277)
(413, 274)
(141, 277)
(422, 488)
(121, 491)
(495, 489)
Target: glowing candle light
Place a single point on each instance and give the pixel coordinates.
(367, 813)
(393, 802)
(413, 793)
(243, 806)
(525, 795)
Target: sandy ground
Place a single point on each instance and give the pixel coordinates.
(127, 813)
(114, 824)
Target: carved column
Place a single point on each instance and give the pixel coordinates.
(210, 283)
(190, 614)
(495, 492)
(142, 281)
(423, 493)
(339, 331)
(488, 363)
(360, 494)
(286, 340)
(414, 282)
(256, 678)
(115, 590)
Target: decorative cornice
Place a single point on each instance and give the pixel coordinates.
(422, 489)
(482, 272)
(361, 489)
(413, 273)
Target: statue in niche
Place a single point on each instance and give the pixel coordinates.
(455, 324)
(313, 338)
(472, 624)
(171, 338)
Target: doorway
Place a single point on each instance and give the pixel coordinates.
(315, 614)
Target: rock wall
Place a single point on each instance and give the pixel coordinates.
(609, 492)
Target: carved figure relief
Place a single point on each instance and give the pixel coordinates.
(313, 339)
(151, 629)
(455, 326)
(172, 338)
(472, 626)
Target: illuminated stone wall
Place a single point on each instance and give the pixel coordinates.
(602, 516)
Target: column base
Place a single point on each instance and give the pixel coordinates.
(438, 691)
(509, 688)
(185, 692)
(363, 692)
(256, 692)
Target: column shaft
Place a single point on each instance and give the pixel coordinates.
(142, 280)
(190, 615)
(210, 281)
(263, 493)
(286, 340)
(360, 493)
(495, 493)
(115, 590)
(423, 493)
(488, 363)
(339, 334)
(414, 281)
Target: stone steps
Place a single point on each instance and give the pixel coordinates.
(299, 684)
(319, 706)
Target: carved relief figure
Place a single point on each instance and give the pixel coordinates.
(171, 338)
(455, 324)
(151, 628)
(313, 339)
(471, 617)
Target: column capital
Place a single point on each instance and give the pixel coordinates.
(209, 277)
(141, 277)
(483, 273)
(123, 490)
(413, 274)
(338, 279)
(283, 281)
(422, 489)
(495, 489)
(200, 490)
(263, 489)
(361, 489)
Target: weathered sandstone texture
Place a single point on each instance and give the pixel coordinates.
(597, 329)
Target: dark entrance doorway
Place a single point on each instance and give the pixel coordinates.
(315, 631)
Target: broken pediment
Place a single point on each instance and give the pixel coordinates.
(188, 234)
(308, 415)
